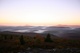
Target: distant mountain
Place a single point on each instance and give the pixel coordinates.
(31, 28)
(71, 34)
(58, 31)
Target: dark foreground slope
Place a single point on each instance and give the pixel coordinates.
(33, 42)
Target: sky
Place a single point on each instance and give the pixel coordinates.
(39, 12)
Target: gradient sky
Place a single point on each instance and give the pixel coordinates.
(39, 12)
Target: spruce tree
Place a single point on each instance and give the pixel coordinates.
(5, 37)
(22, 42)
(11, 37)
(48, 38)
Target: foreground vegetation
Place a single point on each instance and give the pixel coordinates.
(20, 43)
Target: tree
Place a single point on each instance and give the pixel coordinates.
(11, 37)
(5, 37)
(22, 42)
(48, 38)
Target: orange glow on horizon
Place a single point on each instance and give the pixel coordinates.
(39, 13)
